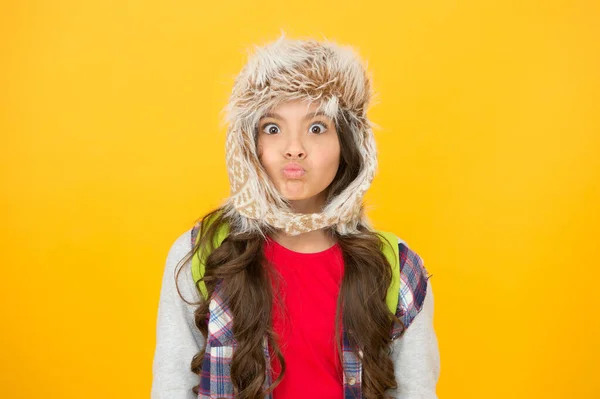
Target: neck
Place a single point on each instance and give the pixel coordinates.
(313, 241)
(310, 205)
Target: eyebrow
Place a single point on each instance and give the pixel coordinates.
(277, 116)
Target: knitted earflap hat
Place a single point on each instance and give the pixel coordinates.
(334, 77)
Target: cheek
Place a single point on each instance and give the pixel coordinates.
(261, 151)
(265, 156)
(330, 154)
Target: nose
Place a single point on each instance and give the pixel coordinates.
(294, 148)
(294, 154)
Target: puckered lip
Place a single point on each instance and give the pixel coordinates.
(293, 166)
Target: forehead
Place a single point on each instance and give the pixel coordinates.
(294, 109)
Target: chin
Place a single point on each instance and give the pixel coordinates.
(295, 197)
(299, 195)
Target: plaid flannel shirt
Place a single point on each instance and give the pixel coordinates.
(215, 381)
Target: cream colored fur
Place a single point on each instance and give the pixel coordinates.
(335, 78)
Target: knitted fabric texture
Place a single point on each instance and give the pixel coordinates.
(330, 75)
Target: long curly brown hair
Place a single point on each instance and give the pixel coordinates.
(239, 262)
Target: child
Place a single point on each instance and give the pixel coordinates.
(293, 290)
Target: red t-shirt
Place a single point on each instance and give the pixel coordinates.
(309, 288)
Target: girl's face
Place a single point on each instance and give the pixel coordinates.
(292, 137)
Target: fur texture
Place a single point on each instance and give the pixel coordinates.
(287, 69)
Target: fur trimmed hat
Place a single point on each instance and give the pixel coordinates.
(335, 78)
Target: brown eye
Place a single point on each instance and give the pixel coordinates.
(271, 130)
(314, 128)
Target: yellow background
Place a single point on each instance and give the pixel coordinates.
(489, 168)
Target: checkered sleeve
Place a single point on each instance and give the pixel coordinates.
(413, 287)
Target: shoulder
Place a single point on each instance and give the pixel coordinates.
(413, 283)
(180, 247)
